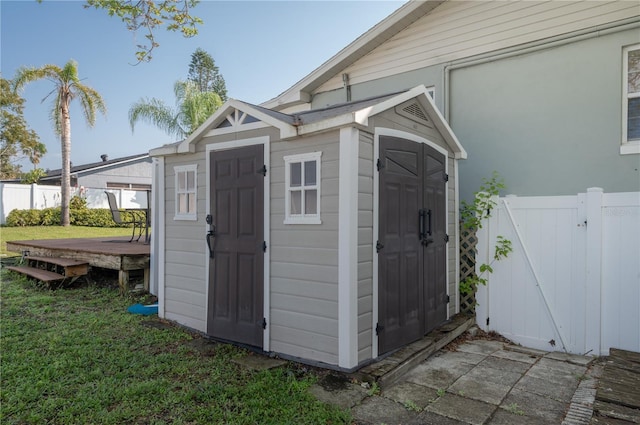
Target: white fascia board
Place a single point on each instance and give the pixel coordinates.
(359, 47)
(364, 114)
(422, 95)
(208, 127)
(443, 126)
(164, 151)
(360, 118)
(288, 99)
(221, 113)
(326, 125)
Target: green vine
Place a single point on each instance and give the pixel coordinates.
(472, 216)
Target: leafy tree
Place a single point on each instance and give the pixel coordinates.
(67, 88)
(17, 141)
(192, 109)
(206, 75)
(33, 176)
(149, 15)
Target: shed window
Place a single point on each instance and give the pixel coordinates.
(186, 191)
(302, 185)
(631, 99)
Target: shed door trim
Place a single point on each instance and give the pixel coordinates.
(265, 141)
(379, 131)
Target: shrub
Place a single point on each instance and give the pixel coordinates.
(79, 215)
(23, 218)
(50, 216)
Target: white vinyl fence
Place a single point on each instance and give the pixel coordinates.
(33, 196)
(572, 281)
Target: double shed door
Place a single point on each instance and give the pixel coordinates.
(411, 247)
(235, 240)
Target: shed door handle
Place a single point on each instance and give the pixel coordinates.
(211, 234)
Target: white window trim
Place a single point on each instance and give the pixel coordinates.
(182, 169)
(628, 146)
(302, 218)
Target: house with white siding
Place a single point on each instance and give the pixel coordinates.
(322, 224)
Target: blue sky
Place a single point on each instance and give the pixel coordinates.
(261, 47)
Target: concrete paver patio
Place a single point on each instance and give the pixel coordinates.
(480, 382)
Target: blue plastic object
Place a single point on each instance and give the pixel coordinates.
(145, 310)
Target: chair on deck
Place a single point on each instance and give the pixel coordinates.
(136, 217)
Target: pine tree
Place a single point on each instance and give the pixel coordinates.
(206, 75)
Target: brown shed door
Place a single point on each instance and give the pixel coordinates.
(237, 257)
(412, 242)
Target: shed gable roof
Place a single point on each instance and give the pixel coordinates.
(235, 116)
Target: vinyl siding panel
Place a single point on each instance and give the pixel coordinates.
(365, 246)
(304, 259)
(185, 281)
(458, 29)
(306, 345)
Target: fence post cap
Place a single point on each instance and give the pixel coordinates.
(595, 189)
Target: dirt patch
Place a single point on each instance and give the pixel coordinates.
(476, 334)
(204, 346)
(333, 382)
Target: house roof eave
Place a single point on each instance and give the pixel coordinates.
(91, 167)
(301, 91)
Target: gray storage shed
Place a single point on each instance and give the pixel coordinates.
(328, 236)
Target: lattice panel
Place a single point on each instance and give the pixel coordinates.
(468, 242)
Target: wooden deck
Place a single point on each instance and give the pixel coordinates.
(114, 253)
(618, 394)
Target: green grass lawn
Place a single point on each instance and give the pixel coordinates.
(75, 356)
(55, 232)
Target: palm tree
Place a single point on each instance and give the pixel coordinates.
(192, 109)
(67, 87)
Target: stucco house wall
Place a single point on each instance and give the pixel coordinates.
(532, 89)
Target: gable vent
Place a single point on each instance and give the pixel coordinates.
(237, 118)
(414, 112)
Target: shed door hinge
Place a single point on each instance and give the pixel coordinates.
(487, 321)
(379, 164)
(448, 299)
(379, 328)
(264, 246)
(379, 246)
(446, 238)
(263, 171)
(446, 177)
(264, 323)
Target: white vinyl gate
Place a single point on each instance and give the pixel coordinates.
(572, 282)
